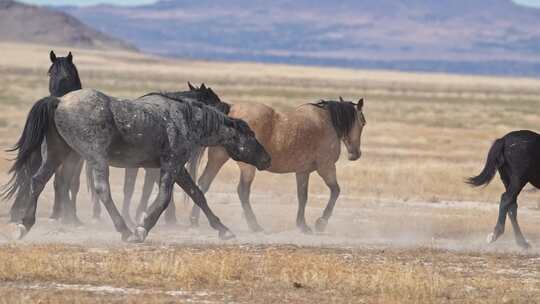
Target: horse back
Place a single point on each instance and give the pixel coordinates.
(296, 139)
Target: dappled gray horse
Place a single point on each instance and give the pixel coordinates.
(202, 94)
(158, 132)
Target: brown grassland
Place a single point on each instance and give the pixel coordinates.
(425, 134)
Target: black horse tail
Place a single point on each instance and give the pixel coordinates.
(494, 160)
(28, 149)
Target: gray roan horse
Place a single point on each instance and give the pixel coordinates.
(159, 132)
(202, 94)
(303, 140)
(63, 78)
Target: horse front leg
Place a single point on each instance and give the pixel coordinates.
(51, 160)
(302, 183)
(328, 174)
(247, 174)
(188, 185)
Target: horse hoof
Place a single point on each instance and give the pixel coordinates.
(72, 222)
(193, 222)
(255, 228)
(491, 238)
(138, 236)
(171, 222)
(320, 224)
(20, 231)
(524, 244)
(226, 235)
(134, 239)
(305, 229)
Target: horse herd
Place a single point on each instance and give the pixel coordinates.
(167, 132)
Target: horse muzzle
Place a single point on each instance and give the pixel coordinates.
(264, 163)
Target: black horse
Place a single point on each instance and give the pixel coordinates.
(517, 158)
(63, 78)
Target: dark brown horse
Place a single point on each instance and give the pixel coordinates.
(300, 141)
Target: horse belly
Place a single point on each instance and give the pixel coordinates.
(125, 155)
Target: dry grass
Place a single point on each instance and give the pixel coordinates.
(283, 274)
(425, 133)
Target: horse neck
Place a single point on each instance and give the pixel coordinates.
(59, 92)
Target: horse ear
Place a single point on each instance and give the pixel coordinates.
(70, 57)
(203, 86)
(341, 99)
(360, 104)
(52, 55)
(191, 87)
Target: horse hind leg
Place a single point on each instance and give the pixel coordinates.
(513, 185)
(100, 171)
(302, 184)
(520, 239)
(51, 161)
(151, 177)
(129, 187)
(329, 177)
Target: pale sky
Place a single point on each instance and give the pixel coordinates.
(135, 2)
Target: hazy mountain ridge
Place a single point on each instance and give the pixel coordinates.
(471, 36)
(29, 23)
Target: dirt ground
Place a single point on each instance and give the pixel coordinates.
(372, 252)
(406, 229)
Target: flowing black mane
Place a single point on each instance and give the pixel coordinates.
(342, 113)
(212, 117)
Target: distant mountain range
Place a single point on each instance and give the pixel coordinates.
(463, 36)
(28, 23)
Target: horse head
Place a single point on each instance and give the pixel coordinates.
(63, 75)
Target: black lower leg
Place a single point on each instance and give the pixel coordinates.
(170, 212)
(188, 185)
(520, 239)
